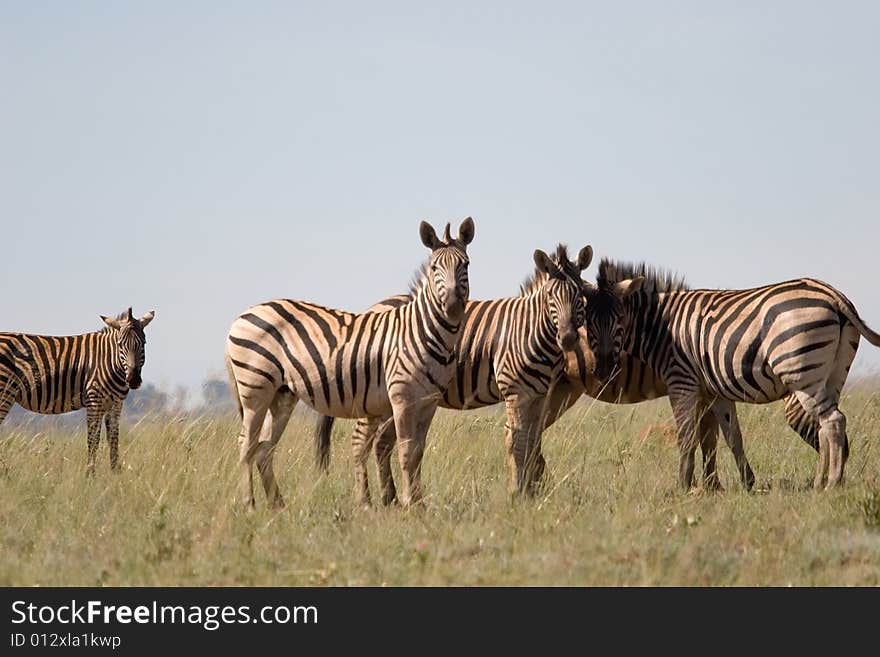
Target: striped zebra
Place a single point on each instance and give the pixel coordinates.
(56, 374)
(714, 348)
(344, 364)
(510, 350)
(633, 381)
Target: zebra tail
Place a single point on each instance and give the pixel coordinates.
(233, 386)
(849, 311)
(322, 442)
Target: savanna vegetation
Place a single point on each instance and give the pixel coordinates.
(611, 512)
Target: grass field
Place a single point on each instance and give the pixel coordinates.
(611, 512)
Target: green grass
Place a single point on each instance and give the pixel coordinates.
(611, 512)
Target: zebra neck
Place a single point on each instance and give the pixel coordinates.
(431, 324)
(545, 327)
(110, 359)
(649, 334)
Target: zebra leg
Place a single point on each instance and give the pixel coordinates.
(93, 427)
(523, 421)
(708, 428)
(385, 439)
(832, 429)
(361, 442)
(248, 441)
(411, 422)
(561, 398)
(802, 422)
(111, 422)
(725, 413)
(6, 403)
(8, 392)
(846, 353)
(514, 444)
(279, 415)
(685, 405)
(535, 463)
(805, 425)
(833, 425)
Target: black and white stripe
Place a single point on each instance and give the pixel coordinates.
(57, 374)
(392, 363)
(633, 381)
(717, 347)
(511, 351)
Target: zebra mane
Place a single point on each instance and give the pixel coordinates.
(419, 279)
(532, 283)
(656, 279)
(535, 281)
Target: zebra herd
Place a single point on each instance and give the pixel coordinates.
(635, 334)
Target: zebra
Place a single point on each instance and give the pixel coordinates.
(344, 364)
(634, 381)
(714, 348)
(510, 350)
(56, 374)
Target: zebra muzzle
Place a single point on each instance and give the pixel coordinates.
(133, 379)
(455, 309)
(568, 341)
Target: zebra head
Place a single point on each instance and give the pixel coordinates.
(448, 267)
(607, 321)
(564, 292)
(129, 338)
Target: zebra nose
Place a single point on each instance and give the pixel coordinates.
(569, 340)
(134, 380)
(454, 308)
(454, 302)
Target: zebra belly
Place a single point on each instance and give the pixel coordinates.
(51, 409)
(376, 404)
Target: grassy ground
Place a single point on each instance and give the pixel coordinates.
(611, 513)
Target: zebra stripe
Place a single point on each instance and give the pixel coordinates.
(391, 363)
(717, 347)
(56, 374)
(510, 350)
(635, 382)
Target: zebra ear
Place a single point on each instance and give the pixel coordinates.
(585, 257)
(545, 264)
(146, 319)
(429, 236)
(466, 231)
(630, 285)
(112, 323)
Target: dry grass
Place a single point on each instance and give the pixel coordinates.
(611, 513)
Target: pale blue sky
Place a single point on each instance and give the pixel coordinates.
(196, 159)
